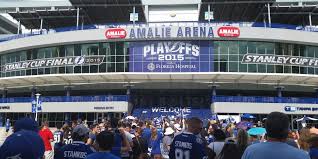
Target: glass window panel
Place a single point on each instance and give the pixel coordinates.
(287, 69)
(85, 69)
(120, 48)
(70, 69)
(102, 67)
(251, 46)
(120, 67)
(69, 50)
(295, 69)
(120, 58)
(311, 70)
(216, 66)
(233, 58)
(279, 69)
(89, 49)
(243, 67)
(110, 67)
(261, 68)
(233, 47)
(223, 66)
(77, 69)
(270, 69)
(233, 66)
(93, 69)
(252, 68)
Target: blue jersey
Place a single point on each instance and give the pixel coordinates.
(102, 155)
(146, 134)
(155, 144)
(75, 150)
(58, 136)
(116, 150)
(187, 146)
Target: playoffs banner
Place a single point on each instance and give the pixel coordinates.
(53, 62)
(171, 56)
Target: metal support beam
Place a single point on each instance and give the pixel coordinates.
(209, 9)
(146, 12)
(77, 18)
(269, 15)
(19, 26)
(41, 25)
(310, 22)
(134, 11)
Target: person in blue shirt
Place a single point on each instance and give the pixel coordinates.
(146, 132)
(105, 141)
(188, 145)
(78, 149)
(58, 136)
(155, 140)
(277, 128)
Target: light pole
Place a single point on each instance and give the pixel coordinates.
(37, 96)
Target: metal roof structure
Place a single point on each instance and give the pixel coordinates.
(7, 27)
(295, 13)
(118, 11)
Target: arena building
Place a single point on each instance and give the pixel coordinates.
(149, 58)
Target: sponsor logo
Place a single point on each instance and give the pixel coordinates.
(151, 66)
(229, 31)
(171, 51)
(115, 33)
(290, 109)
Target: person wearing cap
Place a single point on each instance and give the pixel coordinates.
(166, 141)
(47, 137)
(105, 141)
(78, 149)
(277, 128)
(26, 124)
(24, 143)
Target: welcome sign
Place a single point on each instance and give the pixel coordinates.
(171, 56)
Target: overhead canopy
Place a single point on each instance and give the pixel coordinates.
(91, 12)
(110, 11)
(234, 10)
(51, 18)
(257, 11)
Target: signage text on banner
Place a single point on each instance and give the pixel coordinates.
(171, 56)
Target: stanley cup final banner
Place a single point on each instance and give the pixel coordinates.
(171, 56)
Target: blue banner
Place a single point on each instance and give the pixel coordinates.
(171, 56)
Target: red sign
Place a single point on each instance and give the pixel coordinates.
(115, 33)
(229, 31)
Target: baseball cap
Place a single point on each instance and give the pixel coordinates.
(81, 130)
(24, 144)
(26, 124)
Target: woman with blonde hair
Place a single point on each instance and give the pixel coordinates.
(304, 135)
(155, 141)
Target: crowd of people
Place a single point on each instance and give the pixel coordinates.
(160, 139)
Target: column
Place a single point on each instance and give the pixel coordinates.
(269, 15)
(33, 92)
(316, 92)
(77, 17)
(213, 92)
(128, 94)
(279, 90)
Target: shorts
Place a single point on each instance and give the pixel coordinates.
(49, 154)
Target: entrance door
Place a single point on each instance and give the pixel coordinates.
(99, 117)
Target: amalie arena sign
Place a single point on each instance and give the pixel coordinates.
(171, 32)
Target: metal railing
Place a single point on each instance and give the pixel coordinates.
(66, 99)
(255, 99)
(141, 24)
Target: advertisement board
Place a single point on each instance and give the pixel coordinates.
(171, 56)
(264, 108)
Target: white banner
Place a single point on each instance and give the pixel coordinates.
(49, 107)
(264, 108)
